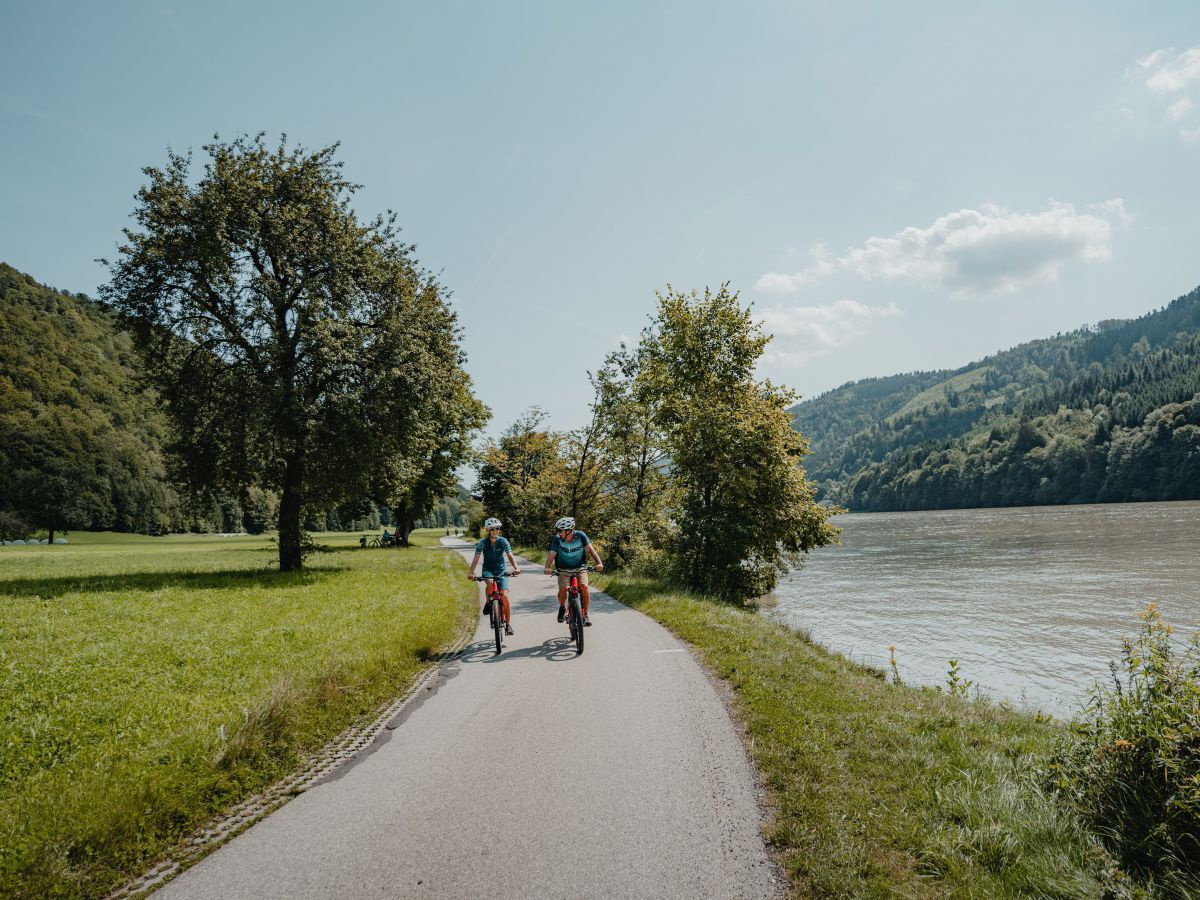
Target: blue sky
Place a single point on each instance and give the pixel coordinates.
(894, 186)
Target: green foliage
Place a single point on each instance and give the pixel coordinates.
(1132, 763)
(523, 480)
(151, 683)
(746, 512)
(956, 685)
(295, 348)
(13, 527)
(80, 442)
(687, 463)
(1110, 413)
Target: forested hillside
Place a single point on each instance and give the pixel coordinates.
(80, 444)
(1105, 413)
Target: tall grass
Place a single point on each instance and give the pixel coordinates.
(1131, 764)
(149, 683)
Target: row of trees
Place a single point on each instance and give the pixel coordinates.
(688, 465)
(295, 349)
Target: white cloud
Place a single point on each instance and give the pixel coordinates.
(1171, 73)
(823, 263)
(803, 332)
(973, 251)
(1168, 71)
(1179, 109)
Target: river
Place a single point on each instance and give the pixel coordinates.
(1032, 601)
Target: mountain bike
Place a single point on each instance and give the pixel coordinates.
(495, 608)
(575, 609)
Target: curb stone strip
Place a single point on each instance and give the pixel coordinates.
(342, 749)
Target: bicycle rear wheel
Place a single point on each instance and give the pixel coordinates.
(577, 618)
(497, 617)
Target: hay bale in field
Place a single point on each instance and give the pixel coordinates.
(60, 540)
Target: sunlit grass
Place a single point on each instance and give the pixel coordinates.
(881, 789)
(150, 682)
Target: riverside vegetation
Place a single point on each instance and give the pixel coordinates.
(150, 683)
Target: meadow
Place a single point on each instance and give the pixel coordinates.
(146, 684)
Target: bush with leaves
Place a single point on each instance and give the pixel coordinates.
(1131, 766)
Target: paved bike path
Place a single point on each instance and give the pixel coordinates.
(535, 773)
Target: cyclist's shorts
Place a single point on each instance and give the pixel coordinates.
(564, 577)
(503, 579)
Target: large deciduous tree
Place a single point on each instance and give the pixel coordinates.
(745, 509)
(295, 347)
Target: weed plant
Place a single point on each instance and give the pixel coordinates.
(1131, 764)
(149, 683)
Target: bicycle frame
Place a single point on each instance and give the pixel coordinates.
(574, 616)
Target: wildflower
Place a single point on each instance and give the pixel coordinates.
(1122, 744)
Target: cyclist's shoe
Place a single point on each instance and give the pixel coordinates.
(508, 629)
(562, 613)
(587, 621)
(487, 608)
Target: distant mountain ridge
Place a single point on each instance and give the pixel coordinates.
(1109, 412)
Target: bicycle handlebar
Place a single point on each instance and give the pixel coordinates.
(493, 577)
(588, 568)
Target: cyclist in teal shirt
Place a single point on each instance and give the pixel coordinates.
(492, 550)
(569, 550)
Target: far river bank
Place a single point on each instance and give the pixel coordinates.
(1032, 601)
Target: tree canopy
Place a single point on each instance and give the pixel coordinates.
(688, 465)
(80, 441)
(295, 348)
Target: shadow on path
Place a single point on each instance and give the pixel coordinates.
(558, 649)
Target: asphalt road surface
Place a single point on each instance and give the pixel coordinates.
(535, 773)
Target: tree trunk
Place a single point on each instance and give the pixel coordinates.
(290, 557)
(51, 540)
(403, 525)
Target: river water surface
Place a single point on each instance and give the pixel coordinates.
(1032, 602)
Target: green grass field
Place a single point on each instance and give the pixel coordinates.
(149, 683)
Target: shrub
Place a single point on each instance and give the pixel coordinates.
(1131, 765)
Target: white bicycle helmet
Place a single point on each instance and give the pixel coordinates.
(492, 523)
(566, 523)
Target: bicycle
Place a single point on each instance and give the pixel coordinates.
(495, 608)
(574, 608)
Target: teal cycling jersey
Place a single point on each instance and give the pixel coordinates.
(569, 554)
(493, 554)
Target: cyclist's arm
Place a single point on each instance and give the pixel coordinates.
(474, 563)
(550, 562)
(513, 563)
(591, 551)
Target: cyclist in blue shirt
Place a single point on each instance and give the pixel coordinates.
(568, 551)
(492, 549)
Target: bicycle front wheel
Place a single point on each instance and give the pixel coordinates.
(497, 619)
(577, 618)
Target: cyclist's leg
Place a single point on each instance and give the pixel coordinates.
(487, 590)
(506, 607)
(564, 581)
